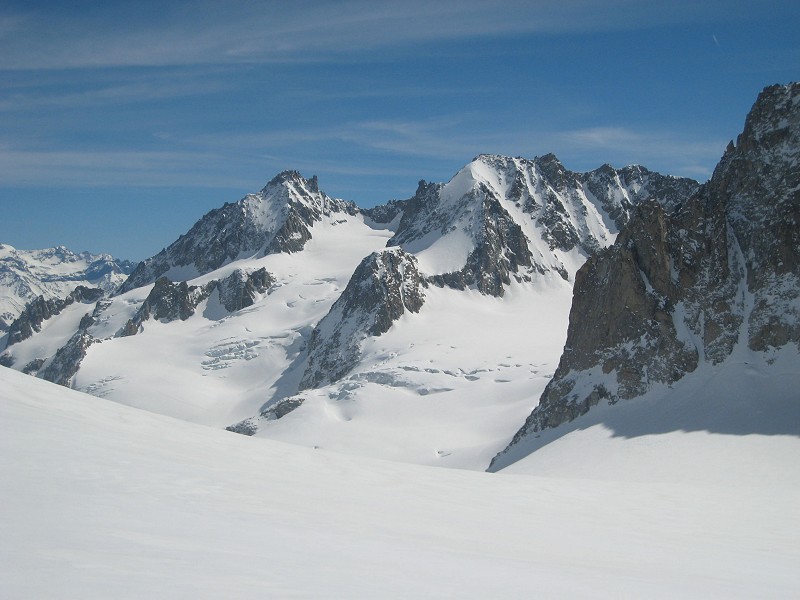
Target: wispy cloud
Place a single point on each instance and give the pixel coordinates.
(682, 153)
(183, 33)
(399, 149)
(95, 168)
(123, 93)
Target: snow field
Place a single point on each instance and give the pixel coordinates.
(102, 500)
(445, 386)
(217, 368)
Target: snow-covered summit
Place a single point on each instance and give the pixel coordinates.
(276, 219)
(500, 218)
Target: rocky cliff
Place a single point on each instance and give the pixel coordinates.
(688, 282)
(169, 301)
(41, 309)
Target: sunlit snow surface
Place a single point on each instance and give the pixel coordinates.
(447, 386)
(101, 500)
(217, 368)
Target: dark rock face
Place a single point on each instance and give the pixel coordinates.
(273, 412)
(41, 309)
(277, 219)
(66, 362)
(33, 367)
(166, 302)
(383, 287)
(386, 213)
(241, 289)
(63, 366)
(559, 190)
(501, 252)
(640, 184)
(420, 215)
(690, 283)
(759, 179)
(169, 301)
(616, 192)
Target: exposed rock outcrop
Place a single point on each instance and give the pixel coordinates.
(63, 366)
(501, 251)
(690, 283)
(67, 360)
(273, 412)
(383, 287)
(242, 288)
(384, 214)
(41, 309)
(169, 301)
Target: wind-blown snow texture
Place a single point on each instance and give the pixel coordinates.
(710, 280)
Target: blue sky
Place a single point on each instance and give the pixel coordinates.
(122, 123)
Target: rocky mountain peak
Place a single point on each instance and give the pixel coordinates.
(294, 179)
(277, 219)
(501, 218)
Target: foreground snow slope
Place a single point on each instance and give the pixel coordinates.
(105, 501)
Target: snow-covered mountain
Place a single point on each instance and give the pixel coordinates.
(292, 315)
(424, 330)
(502, 218)
(52, 273)
(689, 290)
(276, 219)
(658, 321)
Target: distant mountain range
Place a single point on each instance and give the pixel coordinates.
(426, 329)
(52, 273)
